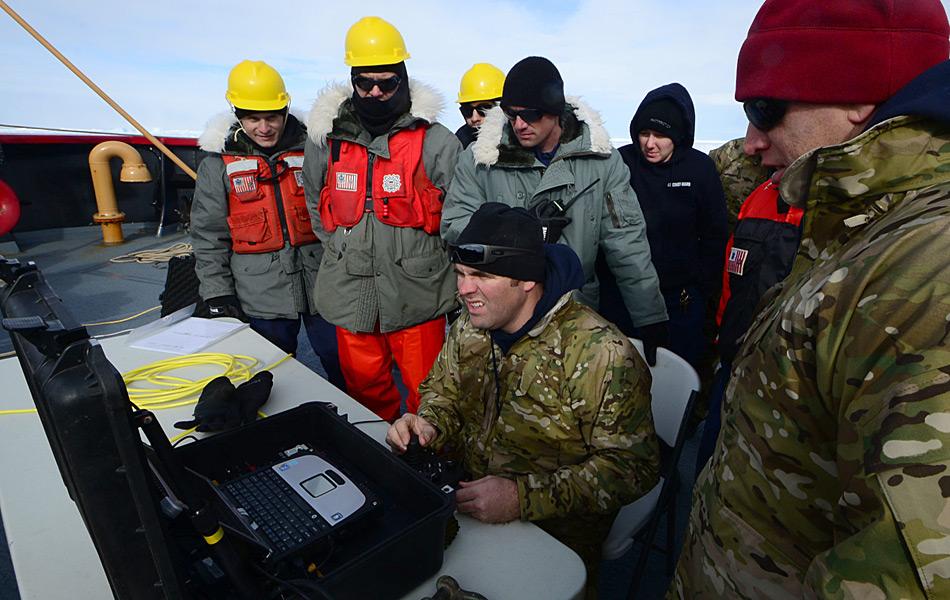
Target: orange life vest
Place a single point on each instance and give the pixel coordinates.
(759, 254)
(400, 193)
(263, 208)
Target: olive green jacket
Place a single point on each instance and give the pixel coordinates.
(571, 426)
(831, 476)
(374, 274)
(605, 215)
(270, 285)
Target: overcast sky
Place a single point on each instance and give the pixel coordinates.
(167, 62)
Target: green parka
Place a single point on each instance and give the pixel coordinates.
(374, 273)
(605, 215)
(270, 285)
(831, 477)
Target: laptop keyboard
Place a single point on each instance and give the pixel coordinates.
(276, 511)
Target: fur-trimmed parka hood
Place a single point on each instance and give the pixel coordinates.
(215, 135)
(496, 139)
(427, 105)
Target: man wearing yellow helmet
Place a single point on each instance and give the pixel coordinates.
(255, 251)
(377, 167)
(479, 92)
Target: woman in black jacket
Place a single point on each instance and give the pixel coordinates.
(685, 210)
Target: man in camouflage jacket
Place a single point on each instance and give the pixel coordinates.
(830, 477)
(547, 403)
(739, 173)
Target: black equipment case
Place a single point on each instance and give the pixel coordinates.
(392, 552)
(148, 554)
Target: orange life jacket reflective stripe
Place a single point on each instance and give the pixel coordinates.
(400, 193)
(255, 218)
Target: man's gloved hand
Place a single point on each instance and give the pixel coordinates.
(222, 306)
(217, 409)
(654, 336)
(253, 394)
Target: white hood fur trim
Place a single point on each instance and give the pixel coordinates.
(485, 149)
(427, 104)
(599, 138)
(216, 131)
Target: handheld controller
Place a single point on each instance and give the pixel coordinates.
(444, 473)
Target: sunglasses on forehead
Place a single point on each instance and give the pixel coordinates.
(528, 115)
(482, 254)
(468, 109)
(765, 113)
(368, 83)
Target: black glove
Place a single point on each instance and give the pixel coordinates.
(253, 394)
(222, 306)
(216, 409)
(653, 336)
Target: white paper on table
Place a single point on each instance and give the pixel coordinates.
(188, 336)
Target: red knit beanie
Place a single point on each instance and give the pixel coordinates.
(840, 51)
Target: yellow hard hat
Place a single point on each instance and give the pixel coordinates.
(255, 85)
(482, 82)
(372, 41)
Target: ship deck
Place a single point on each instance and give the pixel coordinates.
(77, 266)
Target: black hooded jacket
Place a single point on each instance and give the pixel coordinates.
(683, 204)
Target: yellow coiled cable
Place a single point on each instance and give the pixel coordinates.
(165, 390)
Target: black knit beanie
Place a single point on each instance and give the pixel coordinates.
(534, 82)
(498, 224)
(663, 116)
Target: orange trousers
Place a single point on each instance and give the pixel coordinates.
(366, 360)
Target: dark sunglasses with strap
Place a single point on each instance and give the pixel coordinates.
(467, 109)
(368, 83)
(765, 113)
(482, 254)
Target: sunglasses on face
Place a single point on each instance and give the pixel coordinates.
(468, 109)
(528, 115)
(765, 113)
(368, 83)
(482, 254)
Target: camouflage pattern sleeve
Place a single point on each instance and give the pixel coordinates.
(439, 392)
(740, 175)
(892, 371)
(608, 388)
(830, 477)
(904, 545)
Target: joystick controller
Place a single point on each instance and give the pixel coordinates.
(444, 473)
(414, 454)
